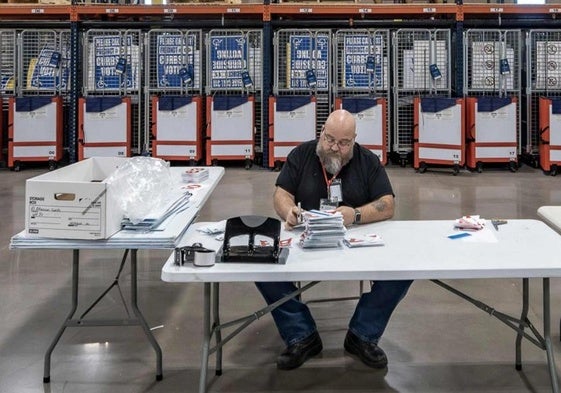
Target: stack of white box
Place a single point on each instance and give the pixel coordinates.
(548, 65)
(485, 66)
(416, 62)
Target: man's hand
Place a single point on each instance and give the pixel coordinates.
(292, 218)
(348, 214)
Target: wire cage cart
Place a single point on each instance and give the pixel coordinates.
(173, 97)
(492, 85)
(8, 76)
(421, 68)
(543, 89)
(35, 123)
(234, 87)
(361, 84)
(109, 109)
(302, 78)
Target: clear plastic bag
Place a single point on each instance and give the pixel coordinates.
(142, 186)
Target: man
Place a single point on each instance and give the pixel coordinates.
(334, 166)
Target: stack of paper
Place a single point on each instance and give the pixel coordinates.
(363, 240)
(194, 175)
(470, 222)
(323, 229)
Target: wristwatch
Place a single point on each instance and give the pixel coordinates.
(357, 217)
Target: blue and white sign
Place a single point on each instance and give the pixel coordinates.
(51, 71)
(176, 59)
(307, 54)
(113, 63)
(228, 58)
(363, 61)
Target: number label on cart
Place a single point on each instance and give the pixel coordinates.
(493, 9)
(111, 10)
(430, 10)
(170, 10)
(37, 10)
(554, 10)
(306, 10)
(233, 10)
(365, 10)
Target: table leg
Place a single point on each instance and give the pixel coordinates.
(216, 322)
(547, 336)
(523, 319)
(140, 317)
(75, 273)
(206, 337)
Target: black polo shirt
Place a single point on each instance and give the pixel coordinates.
(363, 179)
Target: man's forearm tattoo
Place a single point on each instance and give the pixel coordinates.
(380, 205)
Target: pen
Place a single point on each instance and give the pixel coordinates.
(299, 216)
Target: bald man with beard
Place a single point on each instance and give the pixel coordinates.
(334, 165)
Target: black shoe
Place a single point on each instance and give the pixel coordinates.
(370, 354)
(296, 354)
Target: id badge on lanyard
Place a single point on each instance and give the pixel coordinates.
(335, 191)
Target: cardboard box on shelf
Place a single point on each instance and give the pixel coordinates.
(74, 202)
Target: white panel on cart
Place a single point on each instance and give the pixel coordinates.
(554, 128)
(34, 151)
(179, 124)
(378, 152)
(498, 126)
(495, 151)
(232, 124)
(443, 127)
(105, 151)
(440, 154)
(297, 125)
(107, 126)
(232, 150)
(37, 125)
(555, 155)
(369, 126)
(176, 150)
(282, 151)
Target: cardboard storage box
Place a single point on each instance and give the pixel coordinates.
(74, 202)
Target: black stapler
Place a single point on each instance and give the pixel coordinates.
(252, 226)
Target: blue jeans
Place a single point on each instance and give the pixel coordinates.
(373, 311)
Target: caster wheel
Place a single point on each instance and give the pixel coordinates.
(512, 166)
(192, 162)
(456, 170)
(402, 163)
(278, 166)
(422, 167)
(479, 167)
(553, 171)
(17, 166)
(214, 162)
(247, 164)
(52, 165)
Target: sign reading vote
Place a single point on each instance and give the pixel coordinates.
(176, 58)
(363, 61)
(228, 55)
(113, 62)
(308, 56)
(50, 70)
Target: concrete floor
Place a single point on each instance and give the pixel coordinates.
(435, 342)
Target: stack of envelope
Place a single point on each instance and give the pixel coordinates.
(322, 229)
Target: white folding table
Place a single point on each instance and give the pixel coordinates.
(128, 240)
(413, 250)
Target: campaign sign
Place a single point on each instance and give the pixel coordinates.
(113, 63)
(228, 55)
(176, 57)
(362, 61)
(50, 70)
(307, 54)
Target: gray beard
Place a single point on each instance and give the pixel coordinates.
(332, 163)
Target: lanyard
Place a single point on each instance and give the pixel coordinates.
(328, 182)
